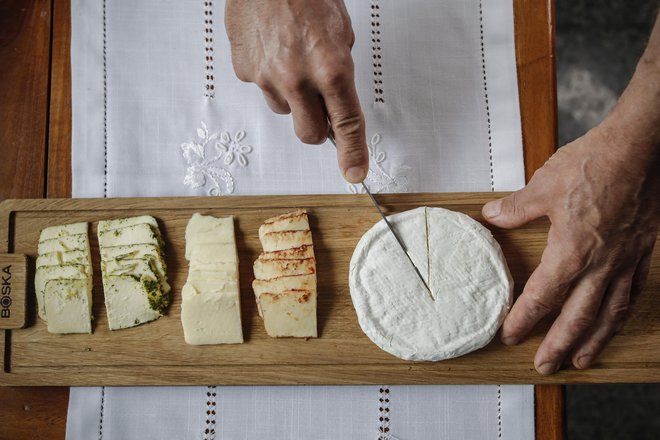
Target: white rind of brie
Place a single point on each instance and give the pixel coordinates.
(464, 267)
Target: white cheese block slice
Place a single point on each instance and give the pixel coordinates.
(291, 313)
(203, 229)
(209, 253)
(268, 269)
(127, 302)
(45, 273)
(136, 234)
(107, 225)
(469, 279)
(277, 241)
(281, 284)
(68, 305)
(298, 253)
(63, 230)
(211, 313)
(58, 258)
(292, 221)
(64, 244)
(215, 275)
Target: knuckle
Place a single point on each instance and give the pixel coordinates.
(618, 311)
(335, 75)
(261, 80)
(512, 206)
(311, 136)
(540, 306)
(349, 126)
(574, 261)
(580, 323)
(241, 73)
(292, 83)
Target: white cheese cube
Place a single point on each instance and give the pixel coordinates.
(127, 302)
(68, 305)
(203, 229)
(277, 241)
(64, 244)
(107, 225)
(44, 274)
(292, 221)
(63, 230)
(289, 314)
(211, 314)
(130, 235)
(269, 269)
(58, 258)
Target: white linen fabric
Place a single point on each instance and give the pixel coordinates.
(157, 111)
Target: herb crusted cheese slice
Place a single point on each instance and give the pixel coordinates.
(63, 278)
(63, 230)
(68, 305)
(134, 272)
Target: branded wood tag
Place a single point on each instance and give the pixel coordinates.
(13, 288)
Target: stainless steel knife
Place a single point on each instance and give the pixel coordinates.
(389, 225)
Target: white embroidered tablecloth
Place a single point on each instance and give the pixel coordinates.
(157, 111)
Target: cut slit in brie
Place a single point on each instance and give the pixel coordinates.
(465, 269)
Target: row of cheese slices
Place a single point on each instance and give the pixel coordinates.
(284, 285)
(285, 276)
(132, 266)
(135, 282)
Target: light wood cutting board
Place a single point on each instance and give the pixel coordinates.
(156, 354)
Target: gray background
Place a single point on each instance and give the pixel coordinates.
(598, 45)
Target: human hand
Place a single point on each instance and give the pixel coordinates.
(299, 54)
(602, 198)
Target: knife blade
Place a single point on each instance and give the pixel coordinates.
(390, 227)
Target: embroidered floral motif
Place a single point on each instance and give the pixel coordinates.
(378, 180)
(203, 166)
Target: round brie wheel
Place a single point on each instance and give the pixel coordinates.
(462, 264)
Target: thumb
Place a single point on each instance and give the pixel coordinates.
(516, 209)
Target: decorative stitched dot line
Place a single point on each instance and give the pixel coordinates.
(105, 107)
(384, 413)
(499, 411)
(376, 52)
(209, 431)
(208, 48)
(483, 67)
(101, 417)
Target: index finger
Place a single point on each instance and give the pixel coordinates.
(347, 121)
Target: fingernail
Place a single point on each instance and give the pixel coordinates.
(492, 209)
(547, 368)
(355, 174)
(510, 340)
(584, 361)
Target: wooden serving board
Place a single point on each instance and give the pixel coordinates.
(156, 354)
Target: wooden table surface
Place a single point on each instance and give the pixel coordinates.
(35, 156)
